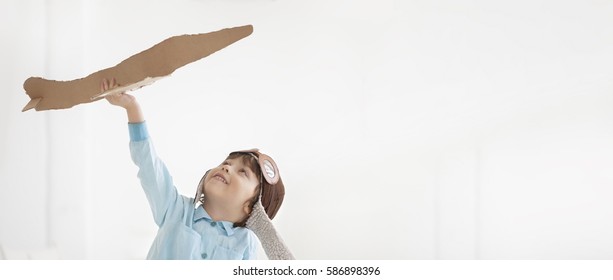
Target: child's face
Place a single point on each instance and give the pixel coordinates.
(232, 183)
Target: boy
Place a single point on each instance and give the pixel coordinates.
(233, 200)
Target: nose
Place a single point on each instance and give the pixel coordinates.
(226, 168)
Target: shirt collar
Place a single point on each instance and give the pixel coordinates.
(200, 213)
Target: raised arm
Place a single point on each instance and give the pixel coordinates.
(152, 172)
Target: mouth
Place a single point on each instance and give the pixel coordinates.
(221, 178)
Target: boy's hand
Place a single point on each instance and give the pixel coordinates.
(120, 99)
(124, 100)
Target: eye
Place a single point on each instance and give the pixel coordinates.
(244, 171)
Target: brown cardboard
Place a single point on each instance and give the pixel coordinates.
(135, 72)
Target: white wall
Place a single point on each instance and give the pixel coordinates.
(404, 129)
(23, 145)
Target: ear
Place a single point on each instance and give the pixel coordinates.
(246, 208)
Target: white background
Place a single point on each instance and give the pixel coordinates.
(403, 129)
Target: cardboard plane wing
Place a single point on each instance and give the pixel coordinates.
(135, 72)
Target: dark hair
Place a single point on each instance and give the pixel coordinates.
(251, 163)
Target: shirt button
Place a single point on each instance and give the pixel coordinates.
(213, 224)
(204, 255)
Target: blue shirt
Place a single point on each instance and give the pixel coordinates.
(185, 232)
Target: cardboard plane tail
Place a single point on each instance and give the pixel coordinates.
(135, 72)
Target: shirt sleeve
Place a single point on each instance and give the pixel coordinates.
(153, 174)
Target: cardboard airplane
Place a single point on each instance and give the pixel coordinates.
(135, 72)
